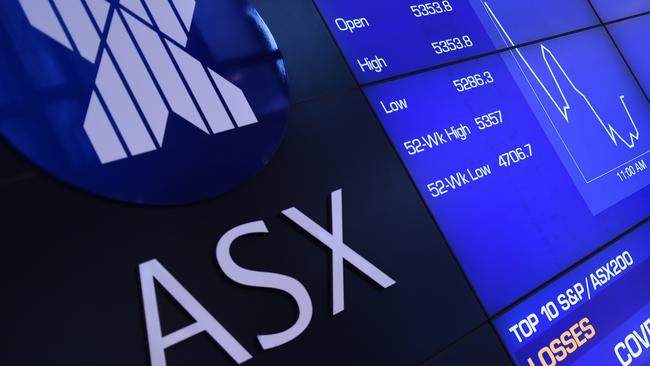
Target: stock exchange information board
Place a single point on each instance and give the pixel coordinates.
(325, 182)
(527, 133)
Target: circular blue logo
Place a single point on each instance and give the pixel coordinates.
(145, 101)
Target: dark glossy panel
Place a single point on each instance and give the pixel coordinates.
(13, 165)
(314, 64)
(480, 347)
(72, 274)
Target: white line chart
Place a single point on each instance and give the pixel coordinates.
(564, 107)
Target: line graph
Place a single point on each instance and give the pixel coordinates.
(626, 140)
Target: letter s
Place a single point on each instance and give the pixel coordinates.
(265, 280)
(568, 342)
(559, 350)
(587, 328)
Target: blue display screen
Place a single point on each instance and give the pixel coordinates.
(528, 136)
(612, 10)
(627, 35)
(529, 158)
(384, 39)
(524, 175)
(596, 314)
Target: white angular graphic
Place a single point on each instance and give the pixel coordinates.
(144, 72)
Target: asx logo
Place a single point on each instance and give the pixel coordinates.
(111, 82)
(143, 72)
(153, 272)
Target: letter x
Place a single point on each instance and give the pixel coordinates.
(340, 250)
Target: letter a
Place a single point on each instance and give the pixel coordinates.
(204, 321)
